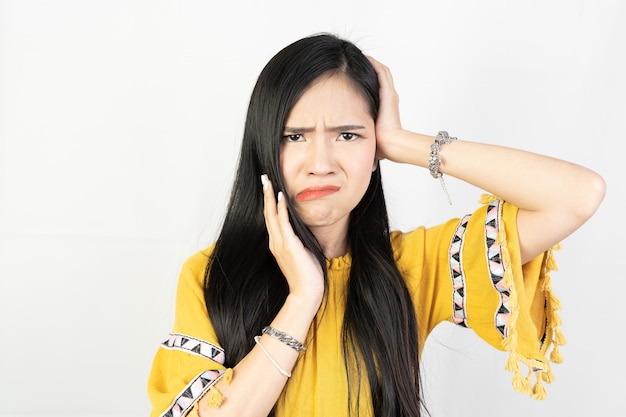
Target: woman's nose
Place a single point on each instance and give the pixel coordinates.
(321, 157)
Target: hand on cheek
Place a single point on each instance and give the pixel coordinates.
(301, 269)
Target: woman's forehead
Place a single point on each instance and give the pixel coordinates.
(334, 99)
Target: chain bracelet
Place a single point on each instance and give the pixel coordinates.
(285, 338)
(434, 160)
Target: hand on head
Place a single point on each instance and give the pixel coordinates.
(388, 122)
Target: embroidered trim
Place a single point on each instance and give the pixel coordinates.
(539, 369)
(192, 393)
(194, 346)
(457, 274)
(496, 265)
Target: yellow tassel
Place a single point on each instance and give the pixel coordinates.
(555, 355)
(512, 365)
(486, 199)
(529, 378)
(215, 398)
(510, 342)
(509, 283)
(559, 337)
(520, 383)
(539, 392)
(228, 375)
(194, 411)
(555, 302)
(506, 344)
(551, 263)
(547, 376)
(506, 259)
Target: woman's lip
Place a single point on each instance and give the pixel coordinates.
(313, 193)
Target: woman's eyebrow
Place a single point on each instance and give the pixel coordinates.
(342, 128)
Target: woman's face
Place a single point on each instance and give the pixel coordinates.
(328, 152)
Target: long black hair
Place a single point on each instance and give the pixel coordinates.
(244, 287)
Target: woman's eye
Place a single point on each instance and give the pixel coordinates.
(292, 138)
(348, 136)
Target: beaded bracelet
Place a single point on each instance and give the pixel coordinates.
(285, 338)
(434, 160)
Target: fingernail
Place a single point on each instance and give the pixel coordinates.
(264, 181)
(280, 195)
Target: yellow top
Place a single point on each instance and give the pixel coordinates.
(466, 271)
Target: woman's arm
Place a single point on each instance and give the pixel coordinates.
(554, 197)
(257, 383)
(245, 395)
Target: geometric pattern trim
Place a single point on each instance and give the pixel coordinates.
(192, 393)
(194, 346)
(496, 265)
(457, 274)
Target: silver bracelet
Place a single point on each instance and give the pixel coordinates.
(285, 338)
(434, 160)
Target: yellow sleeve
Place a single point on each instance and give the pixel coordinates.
(468, 271)
(190, 361)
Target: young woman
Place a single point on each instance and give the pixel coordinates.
(308, 305)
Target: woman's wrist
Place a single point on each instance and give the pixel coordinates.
(302, 306)
(408, 147)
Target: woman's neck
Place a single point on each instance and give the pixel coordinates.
(332, 239)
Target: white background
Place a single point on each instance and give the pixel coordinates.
(120, 123)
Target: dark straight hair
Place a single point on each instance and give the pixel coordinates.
(244, 287)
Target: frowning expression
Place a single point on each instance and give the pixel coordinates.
(328, 152)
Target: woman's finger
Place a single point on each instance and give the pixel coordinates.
(282, 215)
(389, 98)
(269, 210)
(384, 74)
